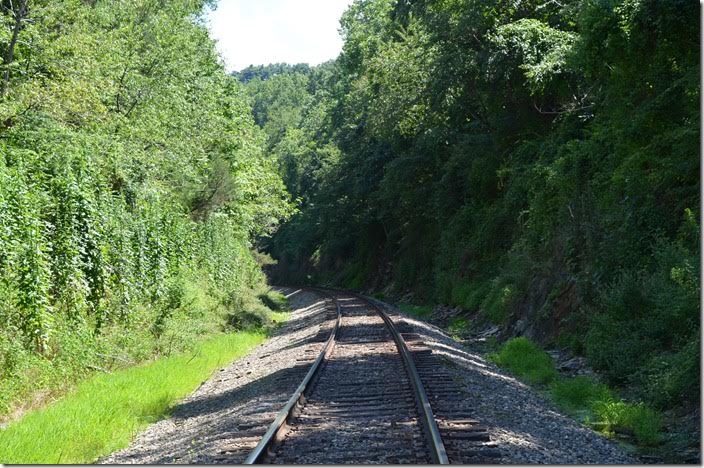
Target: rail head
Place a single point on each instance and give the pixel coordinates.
(261, 450)
(438, 452)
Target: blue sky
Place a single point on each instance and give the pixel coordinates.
(269, 31)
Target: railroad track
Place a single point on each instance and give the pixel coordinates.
(374, 395)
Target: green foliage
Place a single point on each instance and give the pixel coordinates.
(133, 182)
(106, 411)
(651, 322)
(643, 421)
(265, 72)
(596, 403)
(579, 393)
(482, 153)
(458, 325)
(274, 300)
(497, 304)
(527, 360)
(582, 397)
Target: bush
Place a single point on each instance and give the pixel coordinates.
(670, 378)
(525, 359)
(639, 419)
(646, 330)
(578, 393)
(496, 305)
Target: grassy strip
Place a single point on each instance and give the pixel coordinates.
(107, 410)
(583, 398)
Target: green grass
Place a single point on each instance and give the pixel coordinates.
(525, 359)
(583, 398)
(107, 410)
(419, 311)
(457, 326)
(274, 300)
(640, 420)
(595, 403)
(579, 393)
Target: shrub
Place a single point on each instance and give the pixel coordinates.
(497, 303)
(525, 359)
(670, 378)
(639, 419)
(578, 393)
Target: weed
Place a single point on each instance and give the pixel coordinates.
(578, 393)
(642, 421)
(457, 326)
(580, 396)
(525, 359)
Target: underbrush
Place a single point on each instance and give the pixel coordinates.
(525, 359)
(191, 311)
(583, 398)
(107, 410)
(457, 326)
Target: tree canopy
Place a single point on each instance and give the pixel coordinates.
(537, 161)
(131, 167)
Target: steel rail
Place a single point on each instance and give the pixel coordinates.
(438, 452)
(271, 436)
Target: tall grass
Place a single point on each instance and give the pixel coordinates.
(106, 411)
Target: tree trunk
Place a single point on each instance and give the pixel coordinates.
(19, 14)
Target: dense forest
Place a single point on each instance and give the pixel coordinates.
(535, 161)
(133, 181)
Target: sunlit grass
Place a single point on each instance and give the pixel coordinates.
(525, 359)
(106, 411)
(457, 326)
(640, 420)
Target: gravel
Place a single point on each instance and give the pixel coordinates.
(225, 417)
(525, 426)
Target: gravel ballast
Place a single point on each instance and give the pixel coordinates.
(222, 421)
(525, 426)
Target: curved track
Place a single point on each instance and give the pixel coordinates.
(375, 394)
(362, 400)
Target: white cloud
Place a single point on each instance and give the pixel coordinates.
(255, 32)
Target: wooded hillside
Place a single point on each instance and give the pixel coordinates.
(132, 182)
(537, 161)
